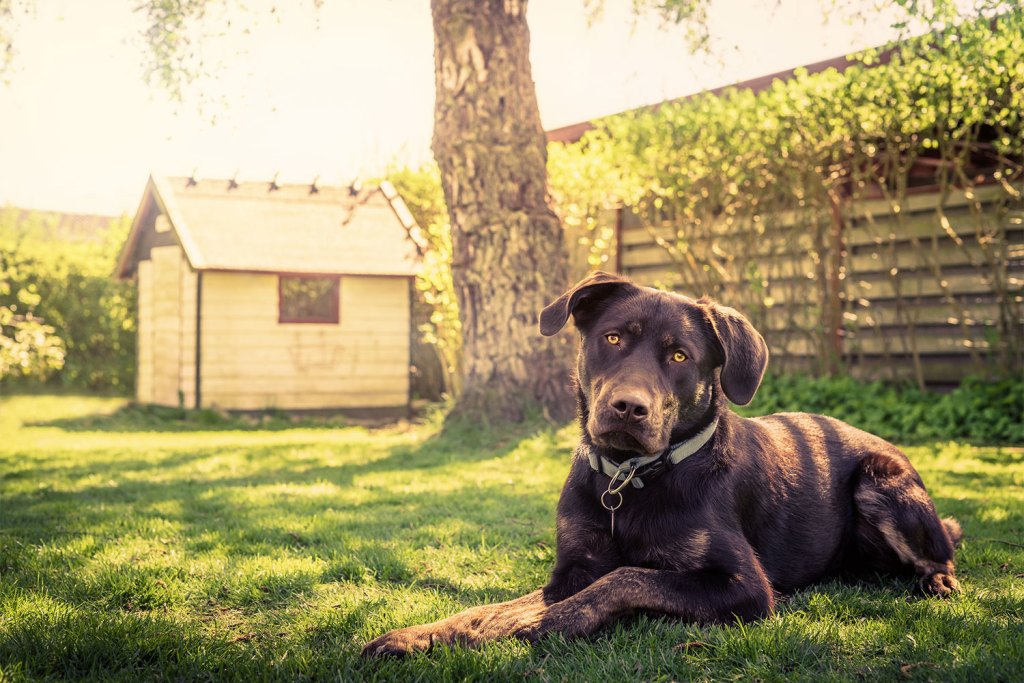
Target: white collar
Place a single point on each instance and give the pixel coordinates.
(674, 455)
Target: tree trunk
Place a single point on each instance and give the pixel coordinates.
(509, 258)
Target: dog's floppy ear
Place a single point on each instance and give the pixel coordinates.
(744, 353)
(596, 286)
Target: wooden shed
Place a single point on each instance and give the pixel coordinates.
(255, 296)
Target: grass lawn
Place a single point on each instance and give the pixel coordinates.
(136, 546)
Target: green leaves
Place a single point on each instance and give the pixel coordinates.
(978, 410)
(28, 348)
(766, 177)
(420, 188)
(739, 144)
(62, 316)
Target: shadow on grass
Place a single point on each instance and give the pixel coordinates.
(153, 418)
(349, 520)
(104, 546)
(463, 443)
(93, 588)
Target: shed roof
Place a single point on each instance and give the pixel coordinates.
(286, 228)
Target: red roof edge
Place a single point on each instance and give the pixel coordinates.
(570, 133)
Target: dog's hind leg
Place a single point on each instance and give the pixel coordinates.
(898, 528)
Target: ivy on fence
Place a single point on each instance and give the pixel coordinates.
(777, 201)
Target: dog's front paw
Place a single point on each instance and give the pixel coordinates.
(401, 642)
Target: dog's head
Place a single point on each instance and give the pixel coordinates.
(651, 362)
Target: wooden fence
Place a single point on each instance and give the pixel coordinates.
(929, 289)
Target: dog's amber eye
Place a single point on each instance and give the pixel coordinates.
(613, 339)
(679, 356)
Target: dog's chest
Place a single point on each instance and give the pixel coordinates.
(660, 537)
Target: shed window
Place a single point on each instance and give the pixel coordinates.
(307, 299)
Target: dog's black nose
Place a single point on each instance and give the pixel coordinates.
(631, 407)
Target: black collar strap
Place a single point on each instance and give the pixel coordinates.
(652, 464)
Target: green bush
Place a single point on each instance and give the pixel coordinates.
(978, 410)
(421, 191)
(71, 278)
(28, 347)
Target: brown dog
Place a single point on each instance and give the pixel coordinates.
(676, 505)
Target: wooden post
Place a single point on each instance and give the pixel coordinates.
(836, 253)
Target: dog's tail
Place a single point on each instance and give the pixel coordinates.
(956, 534)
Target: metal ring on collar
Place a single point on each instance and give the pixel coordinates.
(612, 488)
(608, 507)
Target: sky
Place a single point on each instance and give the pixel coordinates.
(337, 92)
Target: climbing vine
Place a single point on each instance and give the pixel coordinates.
(441, 329)
(841, 210)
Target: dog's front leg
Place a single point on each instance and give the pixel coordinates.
(706, 596)
(519, 618)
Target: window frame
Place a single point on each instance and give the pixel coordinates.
(335, 319)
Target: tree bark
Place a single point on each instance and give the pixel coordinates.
(509, 258)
